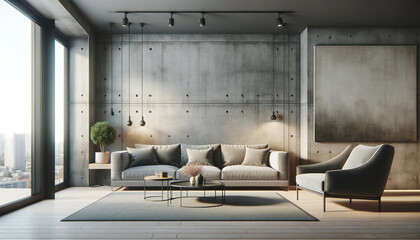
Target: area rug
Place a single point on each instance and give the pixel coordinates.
(238, 206)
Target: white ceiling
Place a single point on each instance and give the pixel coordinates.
(320, 13)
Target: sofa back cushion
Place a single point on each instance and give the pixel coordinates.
(141, 157)
(256, 157)
(235, 154)
(200, 157)
(360, 155)
(216, 153)
(166, 154)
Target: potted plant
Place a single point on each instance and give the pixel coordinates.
(102, 133)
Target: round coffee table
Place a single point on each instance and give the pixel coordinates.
(186, 185)
(159, 179)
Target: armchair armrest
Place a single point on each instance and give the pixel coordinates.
(119, 162)
(332, 164)
(367, 180)
(280, 161)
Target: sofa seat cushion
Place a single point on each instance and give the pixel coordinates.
(241, 172)
(208, 172)
(138, 173)
(311, 181)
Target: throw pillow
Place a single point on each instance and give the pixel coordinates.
(200, 157)
(360, 155)
(141, 157)
(256, 157)
(234, 154)
(166, 154)
(216, 161)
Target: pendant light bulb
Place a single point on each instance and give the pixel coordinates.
(171, 21)
(112, 112)
(202, 20)
(273, 117)
(129, 122)
(125, 20)
(279, 21)
(142, 122)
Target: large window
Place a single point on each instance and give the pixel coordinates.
(16, 82)
(60, 80)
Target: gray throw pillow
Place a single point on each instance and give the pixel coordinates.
(141, 157)
(235, 154)
(256, 157)
(166, 154)
(200, 157)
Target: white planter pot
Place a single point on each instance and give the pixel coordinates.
(102, 157)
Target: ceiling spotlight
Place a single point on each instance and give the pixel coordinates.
(279, 21)
(125, 20)
(202, 20)
(171, 21)
(273, 117)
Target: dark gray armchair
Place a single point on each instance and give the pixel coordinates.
(359, 172)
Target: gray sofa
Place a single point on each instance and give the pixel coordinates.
(275, 173)
(359, 172)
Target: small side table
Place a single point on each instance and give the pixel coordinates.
(159, 179)
(98, 166)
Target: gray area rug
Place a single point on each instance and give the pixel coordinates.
(239, 206)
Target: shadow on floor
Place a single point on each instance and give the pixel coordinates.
(387, 206)
(233, 200)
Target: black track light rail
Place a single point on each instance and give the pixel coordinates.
(205, 12)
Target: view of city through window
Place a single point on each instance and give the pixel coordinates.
(59, 111)
(15, 104)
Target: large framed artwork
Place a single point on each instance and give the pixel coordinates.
(365, 93)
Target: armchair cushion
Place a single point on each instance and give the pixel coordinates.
(312, 181)
(359, 156)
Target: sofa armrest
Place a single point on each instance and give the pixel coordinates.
(119, 162)
(280, 161)
(332, 164)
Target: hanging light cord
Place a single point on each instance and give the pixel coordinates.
(112, 74)
(273, 71)
(129, 69)
(142, 73)
(121, 49)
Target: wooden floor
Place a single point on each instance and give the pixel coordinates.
(400, 219)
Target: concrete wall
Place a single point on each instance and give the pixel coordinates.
(80, 105)
(406, 167)
(193, 87)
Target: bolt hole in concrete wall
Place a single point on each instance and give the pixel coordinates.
(224, 82)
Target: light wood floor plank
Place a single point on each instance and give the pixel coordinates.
(400, 219)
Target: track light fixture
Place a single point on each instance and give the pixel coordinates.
(125, 20)
(202, 20)
(279, 21)
(171, 21)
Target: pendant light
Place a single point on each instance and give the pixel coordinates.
(171, 21)
(273, 117)
(129, 122)
(112, 72)
(202, 20)
(125, 22)
(142, 122)
(279, 21)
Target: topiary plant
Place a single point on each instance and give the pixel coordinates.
(102, 133)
